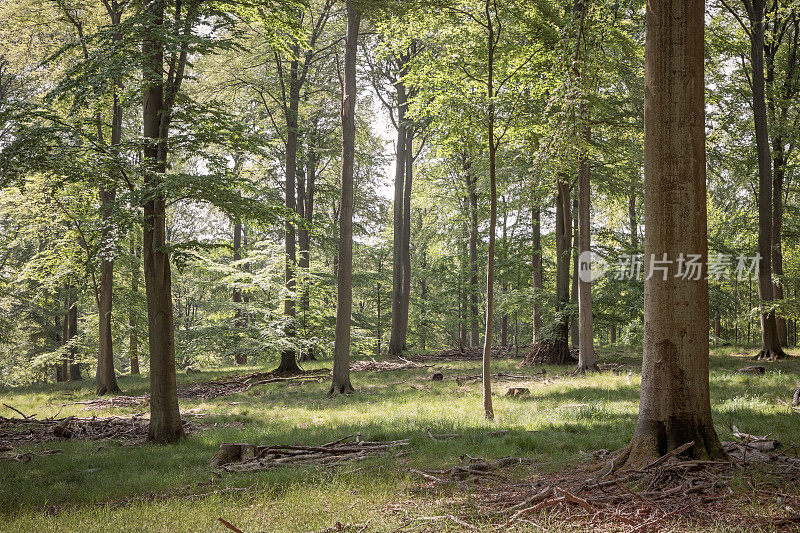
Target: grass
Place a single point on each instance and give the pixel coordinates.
(105, 486)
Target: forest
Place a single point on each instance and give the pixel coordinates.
(399, 265)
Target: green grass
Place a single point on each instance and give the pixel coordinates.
(105, 486)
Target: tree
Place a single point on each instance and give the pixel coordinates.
(165, 419)
(341, 348)
(674, 406)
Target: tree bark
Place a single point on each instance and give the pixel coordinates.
(165, 420)
(573, 294)
(341, 349)
(306, 210)
(674, 406)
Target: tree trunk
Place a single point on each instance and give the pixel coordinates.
(165, 420)
(674, 406)
(74, 367)
(406, 292)
(288, 356)
(133, 335)
(396, 339)
(587, 360)
(472, 183)
(488, 410)
(306, 210)
(106, 377)
(613, 339)
(770, 342)
(537, 271)
(573, 294)
(423, 296)
(65, 335)
(341, 346)
(632, 218)
(379, 329)
(777, 229)
(238, 358)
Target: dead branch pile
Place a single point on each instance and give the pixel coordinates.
(251, 458)
(18, 431)
(382, 366)
(500, 377)
(666, 489)
(467, 353)
(474, 468)
(112, 402)
(232, 384)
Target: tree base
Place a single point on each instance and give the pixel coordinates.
(646, 448)
(586, 369)
(165, 437)
(770, 355)
(341, 388)
(550, 352)
(288, 364)
(102, 390)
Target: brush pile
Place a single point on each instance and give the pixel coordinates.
(668, 489)
(383, 366)
(207, 390)
(252, 458)
(18, 431)
(467, 353)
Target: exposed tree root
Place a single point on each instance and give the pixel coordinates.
(586, 369)
(770, 355)
(341, 388)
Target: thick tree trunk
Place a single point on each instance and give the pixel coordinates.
(613, 338)
(341, 346)
(537, 272)
(674, 406)
(165, 420)
(396, 339)
(587, 360)
(770, 342)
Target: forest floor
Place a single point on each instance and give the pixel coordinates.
(123, 485)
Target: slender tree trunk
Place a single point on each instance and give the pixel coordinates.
(770, 342)
(504, 317)
(406, 292)
(488, 410)
(563, 259)
(165, 420)
(133, 335)
(379, 329)
(239, 358)
(674, 406)
(305, 206)
(423, 296)
(65, 335)
(74, 367)
(396, 339)
(573, 294)
(472, 183)
(632, 218)
(613, 339)
(587, 360)
(341, 349)
(777, 229)
(537, 271)
(288, 356)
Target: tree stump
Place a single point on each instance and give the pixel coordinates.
(515, 392)
(231, 453)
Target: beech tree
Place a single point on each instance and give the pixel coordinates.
(674, 406)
